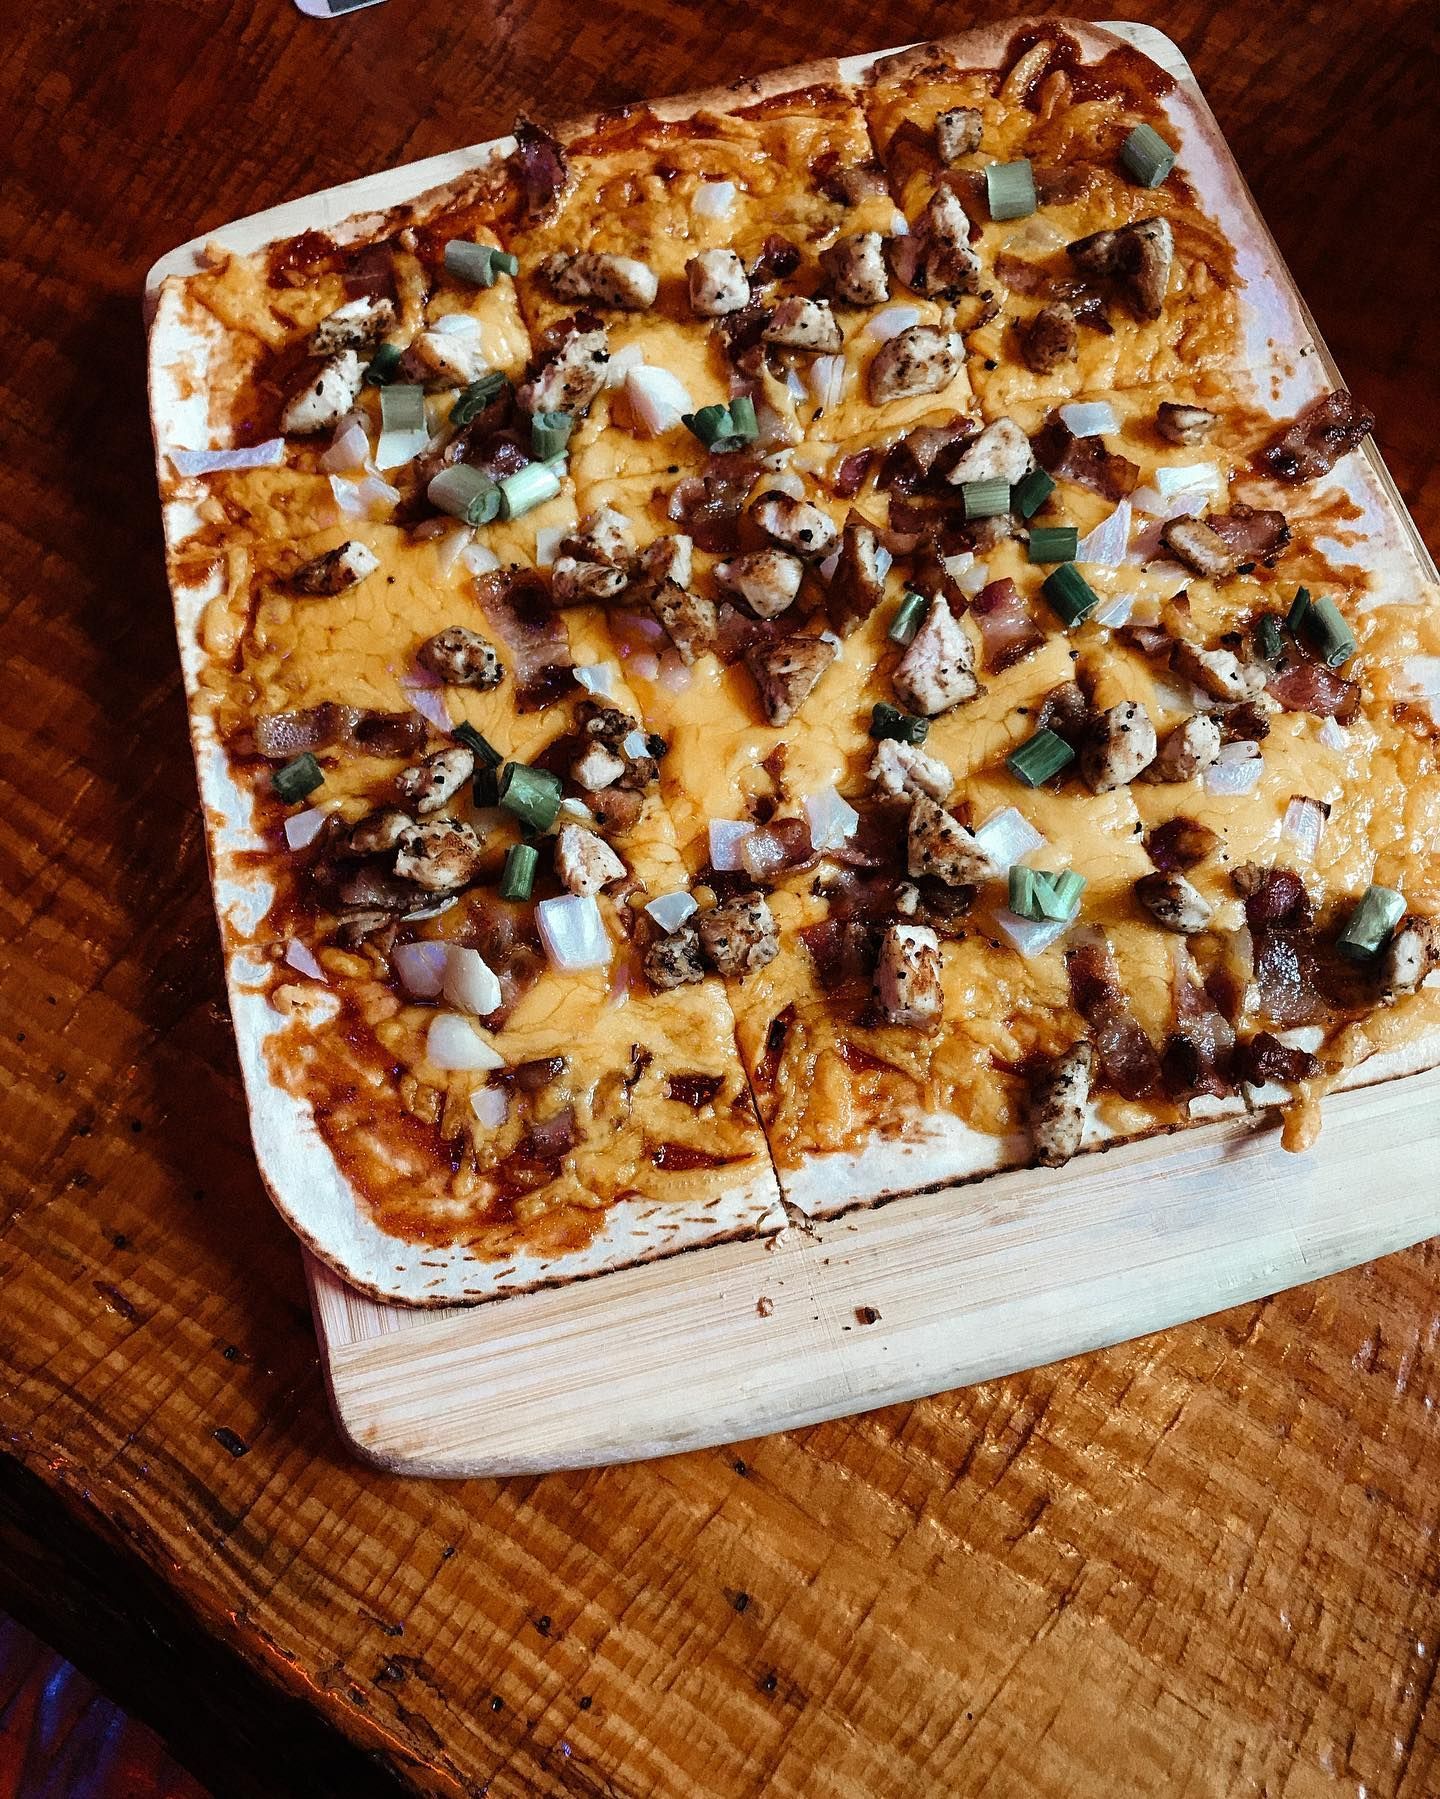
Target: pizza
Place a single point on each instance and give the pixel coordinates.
(763, 651)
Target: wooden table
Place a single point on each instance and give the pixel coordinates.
(1203, 1564)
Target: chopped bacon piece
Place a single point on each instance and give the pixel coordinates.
(1008, 631)
(1127, 1056)
(1326, 430)
(1273, 896)
(1180, 844)
(920, 455)
(849, 476)
(549, 1138)
(1265, 1058)
(878, 841)
(695, 1090)
(843, 949)
(281, 735)
(1084, 460)
(517, 603)
(1251, 535)
(1067, 712)
(1287, 975)
(778, 259)
(766, 1069)
(1196, 1057)
(1309, 685)
(538, 164)
(709, 505)
(743, 332)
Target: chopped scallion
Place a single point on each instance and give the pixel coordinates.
(724, 428)
(549, 433)
(1070, 594)
(383, 365)
(1053, 543)
(478, 263)
(1010, 188)
(1369, 926)
(1269, 644)
(403, 431)
(1299, 611)
(1067, 887)
(529, 487)
(1145, 156)
(904, 727)
(472, 400)
(1327, 630)
(485, 788)
(908, 614)
(986, 499)
(532, 794)
(1022, 893)
(1038, 895)
(465, 493)
(297, 778)
(481, 747)
(1039, 758)
(1031, 492)
(517, 878)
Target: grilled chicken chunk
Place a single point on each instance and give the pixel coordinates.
(1136, 257)
(356, 325)
(325, 398)
(569, 379)
(786, 672)
(800, 324)
(437, 779)
(767, 580)
(907, 975)
(623, 282)
(1188, 750)
(1218, 672)
(690, 619)
(920, 360)
(901, 770)
(674, 961)
(937, 845)
(1413, 953)
(957, 132)
(856, 266)
(1120, 745)
(1188, 425)
(1193, 542)
(461, 658)
(597, 767)
(1058, 1097)
(1001, 452)
(739, 936)
(797, 525)
(937, 671)
(584, 862)
(1051, 337)
(1174, 903)
(936, 257)
(379, 832)
(336, 570)
(439, 856)
(667, 559)
(718, 283)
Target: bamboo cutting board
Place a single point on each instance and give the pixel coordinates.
(915, 1296)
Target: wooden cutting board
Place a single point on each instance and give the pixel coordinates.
(915, 1296)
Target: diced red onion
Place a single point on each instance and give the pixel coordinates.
(1089, 418)
(713, 199)
(794, 386)
(304, 827)
(453, 1043)
(349, 450)
(670, 910)
(598, 678)
(490, 1105)
(471, 985)
(428, 701)
(726, 837)
(826, 379)
(1236, 770)
(480, 559)
(619, 992)
(301, 957)
(826, 569)
(674, 675)
(646, 665)
(421, 967)
(1007, 836)
(832, 819)
(1182, 477)
(1105, 546)
(1334, 735)
(573, 932)
(1303, 824)
(1031, 938)
(270, 454)
(657, 399)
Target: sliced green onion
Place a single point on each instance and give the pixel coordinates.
(549, 433)
(1327, 629)
(1369, 926)
(518, 875)
(986, 499)
(904, 727)
(529, 487)
(724, 428)
(1022, 893)
(383, 365)
(472, 400)
(908, 614)
(1053, 543)
(1031, 492)
(1010, 187)
(297, 778)
(1039, 758)
(1037, 894)
(484, 751)
(532, 794)
(1066, 888)
(1071, 595)
(1299, 611)
(1146, 157)
(403, 431)
(1269, 644)
(478, 263)
(485, 788)
(465, 493)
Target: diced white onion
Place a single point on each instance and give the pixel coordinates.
(1115, 611)
(453, 1043)
(547, 544)
(1007, 837)
(890, 322)
(1181, 477)
(657, 399)
(1334, 736)
(426, 698)
(573, 932)
(726, 836)
(1303, 824)
(670, 910)
(646, 665)
(1105, 546)
(826, 379)
(899, 224)
(1089, 418)
(349, 450)
(452, 546)
(371, 498)
(713, 199)
(972, 579)
(1031, 937)
(1237, 770)
(636, 743)
(884, 561)
(421, 967)
(674, 675)
(574, 812)
(788, 483)
(396, 448)
(471, 985)
(304, 827)
(794, 385)
(1037, 237)
(490, 1105)
(617, 370)
(826, 569)
(480, 559)
(832, 819)
(301, 957)
(598, 678)
(1420, 677)
(270, 454)
(1163, 507)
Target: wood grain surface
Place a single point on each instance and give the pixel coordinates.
(1204, 1564)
